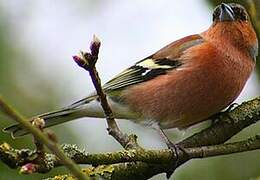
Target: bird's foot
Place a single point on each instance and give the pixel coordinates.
(176, 149)
(179, 152)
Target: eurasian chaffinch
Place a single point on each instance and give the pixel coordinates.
(180, 85)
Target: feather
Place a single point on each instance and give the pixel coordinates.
(153, 66)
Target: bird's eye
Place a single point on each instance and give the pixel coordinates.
(240, 13)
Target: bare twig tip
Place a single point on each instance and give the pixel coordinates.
(95, 45)
(96, 39)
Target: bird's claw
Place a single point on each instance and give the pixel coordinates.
(177, 150)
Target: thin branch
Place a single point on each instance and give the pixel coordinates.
(88, 61)
(155, 159)
(53, 147)
(143, 170)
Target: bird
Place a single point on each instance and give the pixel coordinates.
(180, 85)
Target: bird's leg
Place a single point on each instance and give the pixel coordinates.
(173, 147)
(169, 144)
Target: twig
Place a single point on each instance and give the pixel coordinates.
(145, 167)
(88, 61)
(54, 147)
(152, 158)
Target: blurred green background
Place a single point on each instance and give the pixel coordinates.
(38, 38)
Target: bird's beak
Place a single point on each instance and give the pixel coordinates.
(226, 13)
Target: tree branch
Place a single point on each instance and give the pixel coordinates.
(140, 161)
(53, 147)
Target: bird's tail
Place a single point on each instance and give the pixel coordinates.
(79, 109)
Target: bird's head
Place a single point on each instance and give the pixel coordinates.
(232, 25)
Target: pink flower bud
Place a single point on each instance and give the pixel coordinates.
(28, 168)
(80, 61)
